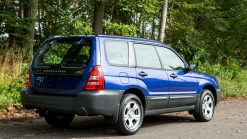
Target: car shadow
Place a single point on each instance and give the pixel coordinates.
(96, 126)
(82, 126)
(155, 120)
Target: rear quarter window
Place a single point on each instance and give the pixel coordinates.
(117, 53)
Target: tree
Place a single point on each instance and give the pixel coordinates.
(99, 9)
(163, 21)
(199, 30)
(30, 13)
(9, 23)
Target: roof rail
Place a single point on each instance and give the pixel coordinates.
(57, 36)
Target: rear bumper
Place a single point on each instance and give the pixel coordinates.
(85, 103)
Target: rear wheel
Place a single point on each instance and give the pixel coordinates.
(59, 119)
(206, 107)
(130, 115)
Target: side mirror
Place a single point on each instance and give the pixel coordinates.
(192, 67)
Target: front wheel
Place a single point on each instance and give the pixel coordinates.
(130, 115)
(59, 119)
(206, 107)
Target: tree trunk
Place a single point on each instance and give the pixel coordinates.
(30, 13)
(99, 8)
(114, 12)
(10, 29)
(153, 29)
(21, 10)
(246, 61)
(143, 29)
(138, 32)
(163, 21)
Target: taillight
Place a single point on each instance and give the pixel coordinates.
(28, 84)
(96, 79)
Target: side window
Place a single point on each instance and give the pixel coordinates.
(146, 56)
(117, 53)
(170, 60)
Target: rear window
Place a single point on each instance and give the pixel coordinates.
(64, 53)
(117, 53)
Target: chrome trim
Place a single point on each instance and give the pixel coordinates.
(181, 97)
(158, 98)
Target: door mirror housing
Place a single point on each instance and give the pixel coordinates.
(192, 67)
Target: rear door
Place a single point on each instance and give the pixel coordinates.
(119, 73)
(182, 84)
(59, 66)
(151, 76)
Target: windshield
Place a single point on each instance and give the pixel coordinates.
(64, 53)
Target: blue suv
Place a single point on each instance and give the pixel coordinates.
(121, 78)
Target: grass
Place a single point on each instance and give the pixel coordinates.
(12, 77)
(11, 63)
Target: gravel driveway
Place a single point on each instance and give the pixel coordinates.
(229, 122)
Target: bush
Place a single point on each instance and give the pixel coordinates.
(232, 79)
(12, 77)
(10, 91)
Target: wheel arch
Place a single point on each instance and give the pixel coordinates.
(139, 94)
(212, 89)
(114, 118)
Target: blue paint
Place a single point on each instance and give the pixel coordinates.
(158, 82)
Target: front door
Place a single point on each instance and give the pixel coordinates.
(182, 83)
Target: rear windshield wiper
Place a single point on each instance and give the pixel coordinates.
(55, 66)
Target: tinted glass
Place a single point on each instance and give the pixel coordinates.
(146, 56)
(170, 60)
(117, 53)
(65, 53)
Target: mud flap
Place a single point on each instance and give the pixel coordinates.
(196, 109)
(114, 118)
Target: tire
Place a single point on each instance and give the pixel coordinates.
(130, 116)
(206, 106)
(59, 119)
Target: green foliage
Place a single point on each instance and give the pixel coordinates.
(120, 29)
(56, 53)
(10, 23)
(10, 89)
(210, 33)
(74, 26)
(209, 26)
(52, 59)
(63, 18)
(232, 79)
(85, 51)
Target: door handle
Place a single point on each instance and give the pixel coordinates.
(173, 75)
(142, 74)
